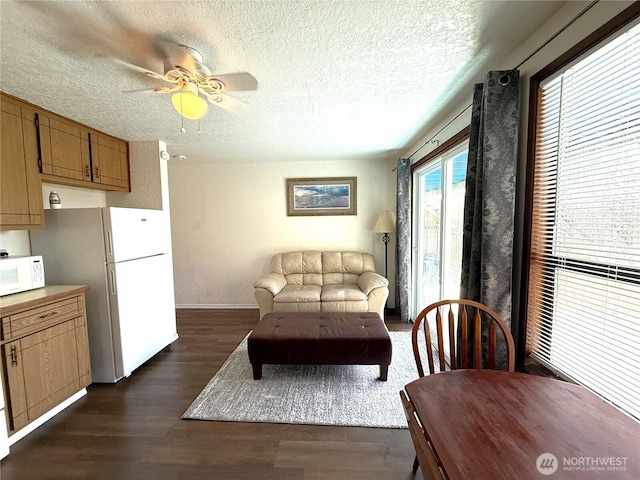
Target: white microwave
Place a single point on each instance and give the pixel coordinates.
(18, 274)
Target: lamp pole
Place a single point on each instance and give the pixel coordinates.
(385, 223)
(385, 239)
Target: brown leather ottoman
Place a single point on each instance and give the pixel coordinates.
(320, 338)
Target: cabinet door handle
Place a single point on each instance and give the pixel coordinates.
(87, 172)
(97, 172)
(46, 315)
(14, 356)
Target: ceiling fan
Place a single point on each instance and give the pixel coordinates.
(100, 29)
(190, 77)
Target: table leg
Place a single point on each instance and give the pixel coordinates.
(384, 370)
(257, 371)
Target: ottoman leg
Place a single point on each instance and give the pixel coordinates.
(384, 370)
(257, 371)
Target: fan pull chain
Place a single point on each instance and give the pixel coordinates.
(199, 131)
(182, 129)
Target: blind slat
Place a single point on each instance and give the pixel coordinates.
(583, 306)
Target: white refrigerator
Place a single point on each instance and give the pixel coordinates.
(124, 255)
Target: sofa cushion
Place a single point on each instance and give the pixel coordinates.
(298, 307)
(342, 293)
(321, 268)
(355, 262)
(339, 278)
(297, 262)
(343, 306)
(298, 294)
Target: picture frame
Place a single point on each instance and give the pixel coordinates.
(322, 196)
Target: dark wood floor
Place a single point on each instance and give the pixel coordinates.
(133, 430)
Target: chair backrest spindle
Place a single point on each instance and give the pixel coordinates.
(452, 340)
(477, 340)
(427, 336)
(441, 358)
(491, 356)
(464, 339)
(458, 356)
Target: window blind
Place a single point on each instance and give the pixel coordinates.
(583, 307)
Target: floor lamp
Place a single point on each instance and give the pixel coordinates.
(385, 224)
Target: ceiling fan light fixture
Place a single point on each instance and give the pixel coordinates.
(188, 104)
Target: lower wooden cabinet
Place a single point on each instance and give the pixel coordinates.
(46, 357)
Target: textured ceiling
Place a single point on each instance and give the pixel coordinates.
(337, 79)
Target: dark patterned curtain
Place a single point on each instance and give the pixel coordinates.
(487, 249)
(403, 238)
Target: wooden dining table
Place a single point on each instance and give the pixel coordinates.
(495, 425)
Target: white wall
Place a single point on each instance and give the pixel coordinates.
(229, 219)
(148, 177)
(15, 242)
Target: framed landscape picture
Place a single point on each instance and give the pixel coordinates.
(322, 196)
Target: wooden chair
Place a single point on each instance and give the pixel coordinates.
(475, 319)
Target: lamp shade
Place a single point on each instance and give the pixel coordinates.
(188, 103)
(386, 222)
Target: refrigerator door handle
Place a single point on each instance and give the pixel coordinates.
(109, 243)
(112, 281)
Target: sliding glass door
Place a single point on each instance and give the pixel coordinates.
(438, 189)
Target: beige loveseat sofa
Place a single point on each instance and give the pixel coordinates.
(313, 281)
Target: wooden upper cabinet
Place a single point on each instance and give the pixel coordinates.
(110, 161)
(74, 155)
(65, 148)
(37, 146)
(20, 188)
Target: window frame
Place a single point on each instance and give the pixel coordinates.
(453, 143)
(619, 22)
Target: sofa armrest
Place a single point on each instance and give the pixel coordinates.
(369, 281)
(273, 282)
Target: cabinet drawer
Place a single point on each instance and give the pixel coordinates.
(33, 320)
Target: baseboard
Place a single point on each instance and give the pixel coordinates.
(210, 306)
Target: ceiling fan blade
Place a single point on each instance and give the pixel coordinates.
(236, 82)
(137, 68)
(138, 90)
(97, 29)
(230, 103)
(175, 88)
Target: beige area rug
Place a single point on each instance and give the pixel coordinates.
(348, 395)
